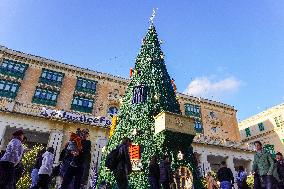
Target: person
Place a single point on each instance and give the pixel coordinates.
(154, 173)
(37, 165)
(225, 176)
(19, 168)
(10, 159)
(45, 169)
(74, 146)
(123, 168)
(211, 182)
(242, 178)
(70, 173)
(263, 166)
(165, 172)
(86, 155)
(280, 169)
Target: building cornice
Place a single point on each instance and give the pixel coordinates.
(33, 59)
(41, 61)
(262, 114)
(206, 101)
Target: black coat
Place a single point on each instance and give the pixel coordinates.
(280, 169)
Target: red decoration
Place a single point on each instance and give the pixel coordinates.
(174, 85)
(131, 72)
(134, 151)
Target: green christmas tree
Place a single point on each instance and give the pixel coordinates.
(149, 92)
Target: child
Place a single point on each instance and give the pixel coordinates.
(74, 146)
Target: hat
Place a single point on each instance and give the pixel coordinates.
(18, 133)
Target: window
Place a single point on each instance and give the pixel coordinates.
(247, 130)
(112, 111)
(13, 68)
(192, 110)
(86, 85)
(198, 126)
(8, 89)
(82, 104)
(139, 94)
(279, 121)
(46, 97)
(51, 77)
(261, 126)
(214, 129)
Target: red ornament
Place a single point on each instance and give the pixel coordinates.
(131, 72)
(134, 151)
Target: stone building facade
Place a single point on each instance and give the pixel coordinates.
(267, 127)
(49, 99)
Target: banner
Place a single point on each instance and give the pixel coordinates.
(75, 117)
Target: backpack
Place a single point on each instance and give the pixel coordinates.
(112, 159)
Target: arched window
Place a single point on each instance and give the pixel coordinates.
(112, 111)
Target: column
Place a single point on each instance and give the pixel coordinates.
(205, 165)
(249, 168)
(55, 141)
(231, 165)
(96, 159)
(2, 134)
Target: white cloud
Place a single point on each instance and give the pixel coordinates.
(207, 87)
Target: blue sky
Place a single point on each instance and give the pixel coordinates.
(228, 51)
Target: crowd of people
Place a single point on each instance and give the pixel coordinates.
(75, 158)
(159, 175)
(268, 173)
(73, 169)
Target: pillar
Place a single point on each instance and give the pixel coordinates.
(101, 142)
(2, 134)
(55, 141)
(230, 164)
(249, 168)
(205, 165)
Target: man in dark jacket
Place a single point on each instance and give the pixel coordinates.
(165, 172)
(280, 169)
(75, 174)
(124, 167)
(86, 155)
(225, 176)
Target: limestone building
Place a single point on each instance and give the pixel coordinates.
(267, 127)
(48, 99)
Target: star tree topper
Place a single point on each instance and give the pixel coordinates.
(153, 15)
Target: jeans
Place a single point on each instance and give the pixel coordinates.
(71, 172)
(7, 175)
(166, 185)
(34, 176)
(226, 185)
(121, 179)
(263, 182)
(154, 183)
(43, 181)
(267, 181)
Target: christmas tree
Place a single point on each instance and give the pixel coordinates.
(149, 92)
